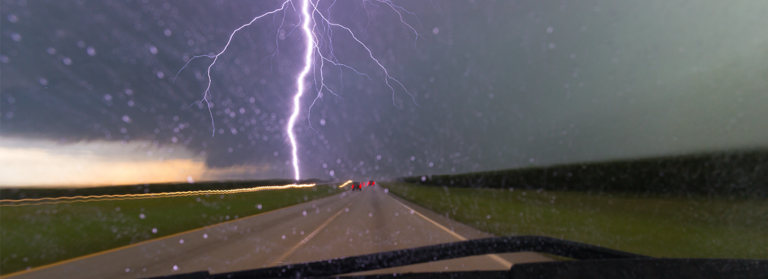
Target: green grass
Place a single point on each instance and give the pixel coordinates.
(32, 236)
(738, 173)
(697, 227)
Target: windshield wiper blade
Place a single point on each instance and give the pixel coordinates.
(446, 251)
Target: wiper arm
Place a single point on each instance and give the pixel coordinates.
(446, 251)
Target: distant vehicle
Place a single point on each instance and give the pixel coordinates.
(371, 183)
(357, 186)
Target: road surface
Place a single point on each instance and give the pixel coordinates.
(347, 224)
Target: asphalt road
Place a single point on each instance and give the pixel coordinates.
(351, 223)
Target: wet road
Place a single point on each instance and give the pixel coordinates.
(351, 223)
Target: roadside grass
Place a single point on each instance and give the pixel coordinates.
(36, 235)
(697, 227)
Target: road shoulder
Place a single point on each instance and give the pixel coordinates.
(469, 232)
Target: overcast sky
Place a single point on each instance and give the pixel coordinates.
(88, 94)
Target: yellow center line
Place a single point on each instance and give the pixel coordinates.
(495, 257)
(293, 249)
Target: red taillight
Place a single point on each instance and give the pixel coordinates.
(373, 182)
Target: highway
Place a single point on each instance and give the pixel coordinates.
(347, 224)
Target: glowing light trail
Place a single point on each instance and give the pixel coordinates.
(39, 201)
(345, 184)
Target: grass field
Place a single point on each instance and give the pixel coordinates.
(700, 227)
(32, 236)
(737, 173)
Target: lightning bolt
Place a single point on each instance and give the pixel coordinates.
(207, 92)
(317, 30)
(308, 62)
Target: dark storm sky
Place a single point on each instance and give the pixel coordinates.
(497, 84)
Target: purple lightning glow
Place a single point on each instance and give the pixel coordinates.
(317, 29)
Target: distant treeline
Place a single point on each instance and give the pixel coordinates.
(737, 173)
(27, 193)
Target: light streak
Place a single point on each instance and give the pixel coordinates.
(39, 201)
(345, 183)
(317, 29)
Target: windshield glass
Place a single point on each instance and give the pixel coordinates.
(144, 138)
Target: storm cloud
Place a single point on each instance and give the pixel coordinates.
(496, 84)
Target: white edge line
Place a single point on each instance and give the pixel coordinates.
(495, 257)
